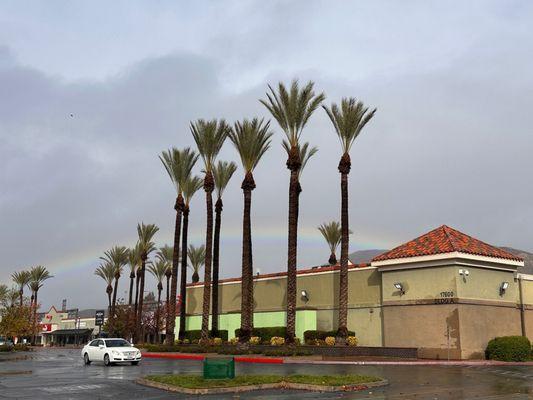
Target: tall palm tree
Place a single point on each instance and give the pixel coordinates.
(209, 137)
(222, 172)
(252, 140)
(292, 109)
(117, 256)
(348, 121)
(134, 261)
(106, 271)
(21, 279)
(165, 254)
(191, 185)
(158, 269)
(332, 234)
(146, 246)
(38, 275)
(178, 164)
(197, 259)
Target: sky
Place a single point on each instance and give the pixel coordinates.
(92, 92)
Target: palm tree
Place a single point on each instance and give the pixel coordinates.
(292, 109)
(4, 295)
(146, 246)
(222, 173)
(106, 271)
(332, 234)
(209, 137)
(117, 256)
(348, 121)
(252, 140)
(191, 185)
(178, 164)
(21, 279)
(165, 254)
(158, 269)
(197, 259)
(134, 261)
(38, 275)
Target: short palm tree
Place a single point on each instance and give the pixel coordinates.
(178, 164)
(38, 275)
(146, 234)
(106, 271)
(292, 109)
(332, 234)
(209, 137)
(191, 185)
(134, 261)
(165, 254)
(117, 256)
(348, 120)
(158, 269)
(252, 140)
(21, 279)
(197, 259)
(222, 173)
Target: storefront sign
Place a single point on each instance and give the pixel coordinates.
(99, 317)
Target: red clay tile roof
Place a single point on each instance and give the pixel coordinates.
(299, 272)
(445, 240)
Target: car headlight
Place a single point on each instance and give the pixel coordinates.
(115, 353)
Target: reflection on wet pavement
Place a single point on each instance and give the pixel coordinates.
(60, 374)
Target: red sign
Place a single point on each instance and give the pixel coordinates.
(46, 327)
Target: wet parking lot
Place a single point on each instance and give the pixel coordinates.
(60, 374)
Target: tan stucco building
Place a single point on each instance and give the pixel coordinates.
(444, 293)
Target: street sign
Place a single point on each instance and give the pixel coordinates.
(99, 317)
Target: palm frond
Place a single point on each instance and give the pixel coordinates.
(117, 256)
(222, 172)
(21, 278)
(146, 233)
(209, 137)
(38, 275)
(252, 140)
(292, 108)
(165, 253)
(348, 120)
(196, 256)
(332, 234)
(134, 257)
(305, 152)
(191, 185)
(158, 269)
(179, 164)
(106, 271)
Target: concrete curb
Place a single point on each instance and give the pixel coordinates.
(266, 386)
(199, 357)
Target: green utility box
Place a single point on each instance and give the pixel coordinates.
(219, 368)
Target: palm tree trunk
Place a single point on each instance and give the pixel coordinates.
(292, 254)
(208, 187)
(183, 280)
(216, 251)
(247, 186)
(115, 290)
(132, 277)
(171, 317)
(137, 281)
(159, 290)
(167, 299)
(21, 294)
(34, 339)
(344, 169)
(140, 336)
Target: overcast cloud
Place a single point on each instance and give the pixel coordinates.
(450, 144)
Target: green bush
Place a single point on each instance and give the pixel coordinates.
(266, 333)
(509, 348)
(311, 336)
(196, 335)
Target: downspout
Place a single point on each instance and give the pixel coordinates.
(522, 307)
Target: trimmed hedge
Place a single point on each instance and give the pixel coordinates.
(509, 348)
(311, 336)
(266, 333)
(197, 335)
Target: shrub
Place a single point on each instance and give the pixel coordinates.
(195, 335)
(217, 341)
(310, 337)
(509, 348)
(185, 341)
(330, 341)
(234, 340)
(277, 341)
(351, 341)
(255, 340)
(266, 333)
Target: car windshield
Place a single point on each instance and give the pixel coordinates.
(117, 343)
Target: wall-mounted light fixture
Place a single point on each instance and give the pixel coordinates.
(464, 272)
(305, 296)
(503, 288)
(400, 288)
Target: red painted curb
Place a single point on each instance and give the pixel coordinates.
(181, 356)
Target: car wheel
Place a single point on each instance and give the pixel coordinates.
(107, 362)
(86, 359)
(135, 363)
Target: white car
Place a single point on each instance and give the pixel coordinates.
(110, 351)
